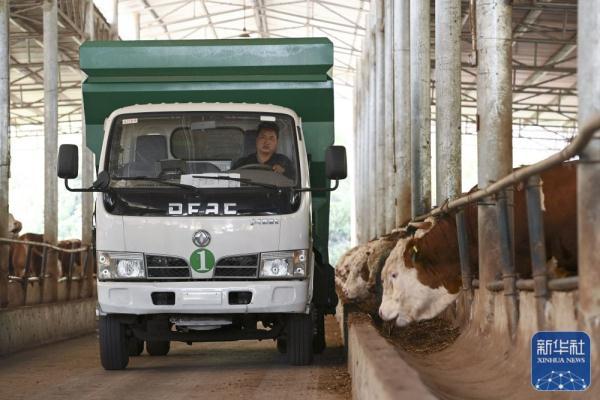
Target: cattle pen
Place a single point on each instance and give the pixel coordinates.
(500, 303)
(465, 242)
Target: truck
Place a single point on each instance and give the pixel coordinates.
(214, 163)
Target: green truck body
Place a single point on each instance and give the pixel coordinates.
(292, 73)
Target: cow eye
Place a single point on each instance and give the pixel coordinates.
(394, 275)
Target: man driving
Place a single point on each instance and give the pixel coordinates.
(267, 138)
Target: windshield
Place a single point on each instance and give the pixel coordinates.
(203, 150)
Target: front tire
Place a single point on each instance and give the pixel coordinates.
(300, 339)
(114, 354)
(158, 348)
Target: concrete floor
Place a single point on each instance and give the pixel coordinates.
(250, 370)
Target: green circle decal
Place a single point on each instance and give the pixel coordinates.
(202, 260)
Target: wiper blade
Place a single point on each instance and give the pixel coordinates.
(158, 180)
(241, 180)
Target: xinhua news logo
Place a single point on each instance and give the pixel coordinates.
(560, 361)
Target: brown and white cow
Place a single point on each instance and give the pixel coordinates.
(358, 272)
(421, 277)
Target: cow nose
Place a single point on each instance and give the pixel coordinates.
(380, 314)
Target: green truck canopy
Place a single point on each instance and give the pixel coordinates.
(292, 73)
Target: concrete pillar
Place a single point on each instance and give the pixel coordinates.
(355, 211)
(4, 145)
(588, 171)
(402, 114)
(388, 100)
(364, 150)
(50, 142)
(447, 88)
(494, 113)
(380, 165)
(420, 106)
(87, 159)
(90, 29)
(372, 157)
(136, 25)
(114, 26)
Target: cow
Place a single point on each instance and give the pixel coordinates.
(421, 277)
(65, 258)
(358, 272)
(18, 256)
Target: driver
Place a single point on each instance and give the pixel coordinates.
(266, 151)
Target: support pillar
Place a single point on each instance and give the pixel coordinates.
(380, 165)
(588, 171)
(114, 26)
(420, 105)
(357, 218)
(401, 81)
(389, 168)
(364, 151)
(50, 289)
(90, 29)
(372, 158)
(87, 159)
(4, 145)
(494, 136)
(447, 89)
(136, 25)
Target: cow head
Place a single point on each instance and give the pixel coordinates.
(14, 227)
(355, 285)
(412, 292)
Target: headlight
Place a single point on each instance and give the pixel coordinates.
(120, 266)
(283, 264)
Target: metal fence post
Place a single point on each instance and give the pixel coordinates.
(537, 247)
(463, 249)
(509, 276)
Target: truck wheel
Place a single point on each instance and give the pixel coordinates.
(135, 346)
(300, 339)
(114, 354)
(282, 345)
(319, 344)
(158, 348)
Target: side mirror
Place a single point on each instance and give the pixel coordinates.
(68, 161)
(335, 163)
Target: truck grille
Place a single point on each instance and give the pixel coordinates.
(163, 267)
(237, 267)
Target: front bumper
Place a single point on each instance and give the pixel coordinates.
(198, 297)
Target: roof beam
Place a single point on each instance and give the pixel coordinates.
(210, 23)
(157, 18)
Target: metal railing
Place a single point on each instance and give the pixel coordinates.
(27, 277)
(540, 284)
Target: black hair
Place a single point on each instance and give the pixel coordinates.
(268, 125)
